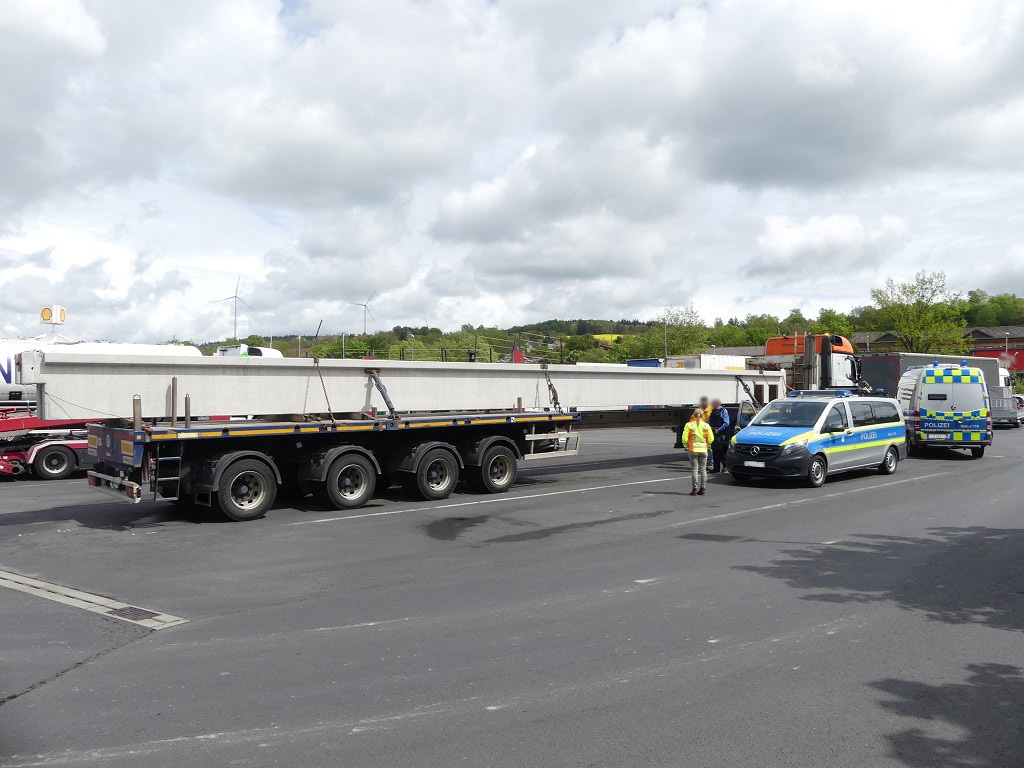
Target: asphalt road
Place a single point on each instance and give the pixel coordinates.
(594, 616)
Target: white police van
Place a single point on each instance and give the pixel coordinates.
(812, 434)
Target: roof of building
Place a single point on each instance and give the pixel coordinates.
(995, 331)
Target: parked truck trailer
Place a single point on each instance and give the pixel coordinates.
(340, 430)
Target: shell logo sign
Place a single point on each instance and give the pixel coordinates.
(54, 315)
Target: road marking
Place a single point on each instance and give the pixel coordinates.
(507, 498)
(795, 502)
(87, 601)
(486, 501)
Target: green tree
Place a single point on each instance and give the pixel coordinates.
(795, 323)
(924, 314)
(760, 328)
(681, 330)
(830, 321)
(729, 335)
(866, 318)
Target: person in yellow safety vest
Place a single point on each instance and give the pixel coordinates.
(705, 406)
(698, 437)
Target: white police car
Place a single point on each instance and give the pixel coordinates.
(812, 434)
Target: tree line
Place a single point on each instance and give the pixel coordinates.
(924, 315)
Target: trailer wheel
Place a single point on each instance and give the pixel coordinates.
(817, 472)
(350, 482)
(247, 490)
(436, 476)
(55, 462)
(496, 473)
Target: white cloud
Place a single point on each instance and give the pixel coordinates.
(498, 162)
(839, 244)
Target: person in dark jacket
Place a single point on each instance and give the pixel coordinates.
(721, 425)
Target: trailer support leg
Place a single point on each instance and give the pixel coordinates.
(375, 377)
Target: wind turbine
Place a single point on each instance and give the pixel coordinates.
(236, 298)
(366, 309)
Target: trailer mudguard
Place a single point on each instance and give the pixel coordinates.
(410, 462)
(315, 468)
(474, 453)
(211, 470)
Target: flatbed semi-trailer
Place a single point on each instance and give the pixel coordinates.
(239, 465)
(346, 434)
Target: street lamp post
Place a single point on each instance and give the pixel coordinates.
(1007, 341)
(666, 342)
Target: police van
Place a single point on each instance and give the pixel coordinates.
(812, 434)
(946, 406)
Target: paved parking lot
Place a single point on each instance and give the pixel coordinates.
(594, 616)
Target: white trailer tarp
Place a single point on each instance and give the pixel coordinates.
(101, 386)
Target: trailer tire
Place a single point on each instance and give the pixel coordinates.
(350, 482)
(55, 462)
(497, 471)
(247, 489)
(436, 476)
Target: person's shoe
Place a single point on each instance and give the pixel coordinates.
(700, 492)
(693, 492)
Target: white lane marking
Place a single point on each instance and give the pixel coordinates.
(795, 502)
(84, 600)
(726, 515)
(486, 501)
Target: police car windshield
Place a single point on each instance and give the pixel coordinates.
(789, 413)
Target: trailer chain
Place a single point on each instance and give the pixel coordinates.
(316, 362)
(552, 392)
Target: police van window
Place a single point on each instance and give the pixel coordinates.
(886, 413)
(836, 420)
(968, 397)
(862, 414)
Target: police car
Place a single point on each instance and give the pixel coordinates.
(812, 434)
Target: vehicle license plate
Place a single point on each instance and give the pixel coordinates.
(936, 435)
(753, 464)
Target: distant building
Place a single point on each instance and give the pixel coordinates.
(995, 337)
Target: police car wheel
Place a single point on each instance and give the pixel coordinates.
(888, 465)
(817, 472)
(977, 453)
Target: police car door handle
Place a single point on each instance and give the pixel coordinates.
(849, 431)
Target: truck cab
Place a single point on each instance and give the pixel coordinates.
(816, 361)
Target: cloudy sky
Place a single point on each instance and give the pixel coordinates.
(499, 161)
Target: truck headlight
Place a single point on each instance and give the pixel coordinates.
(792, 448)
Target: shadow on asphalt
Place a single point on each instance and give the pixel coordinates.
(967, 575)
(533, 470)
(957, 575)
(986, 708)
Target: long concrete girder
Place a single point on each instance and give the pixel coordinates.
(99, 386)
